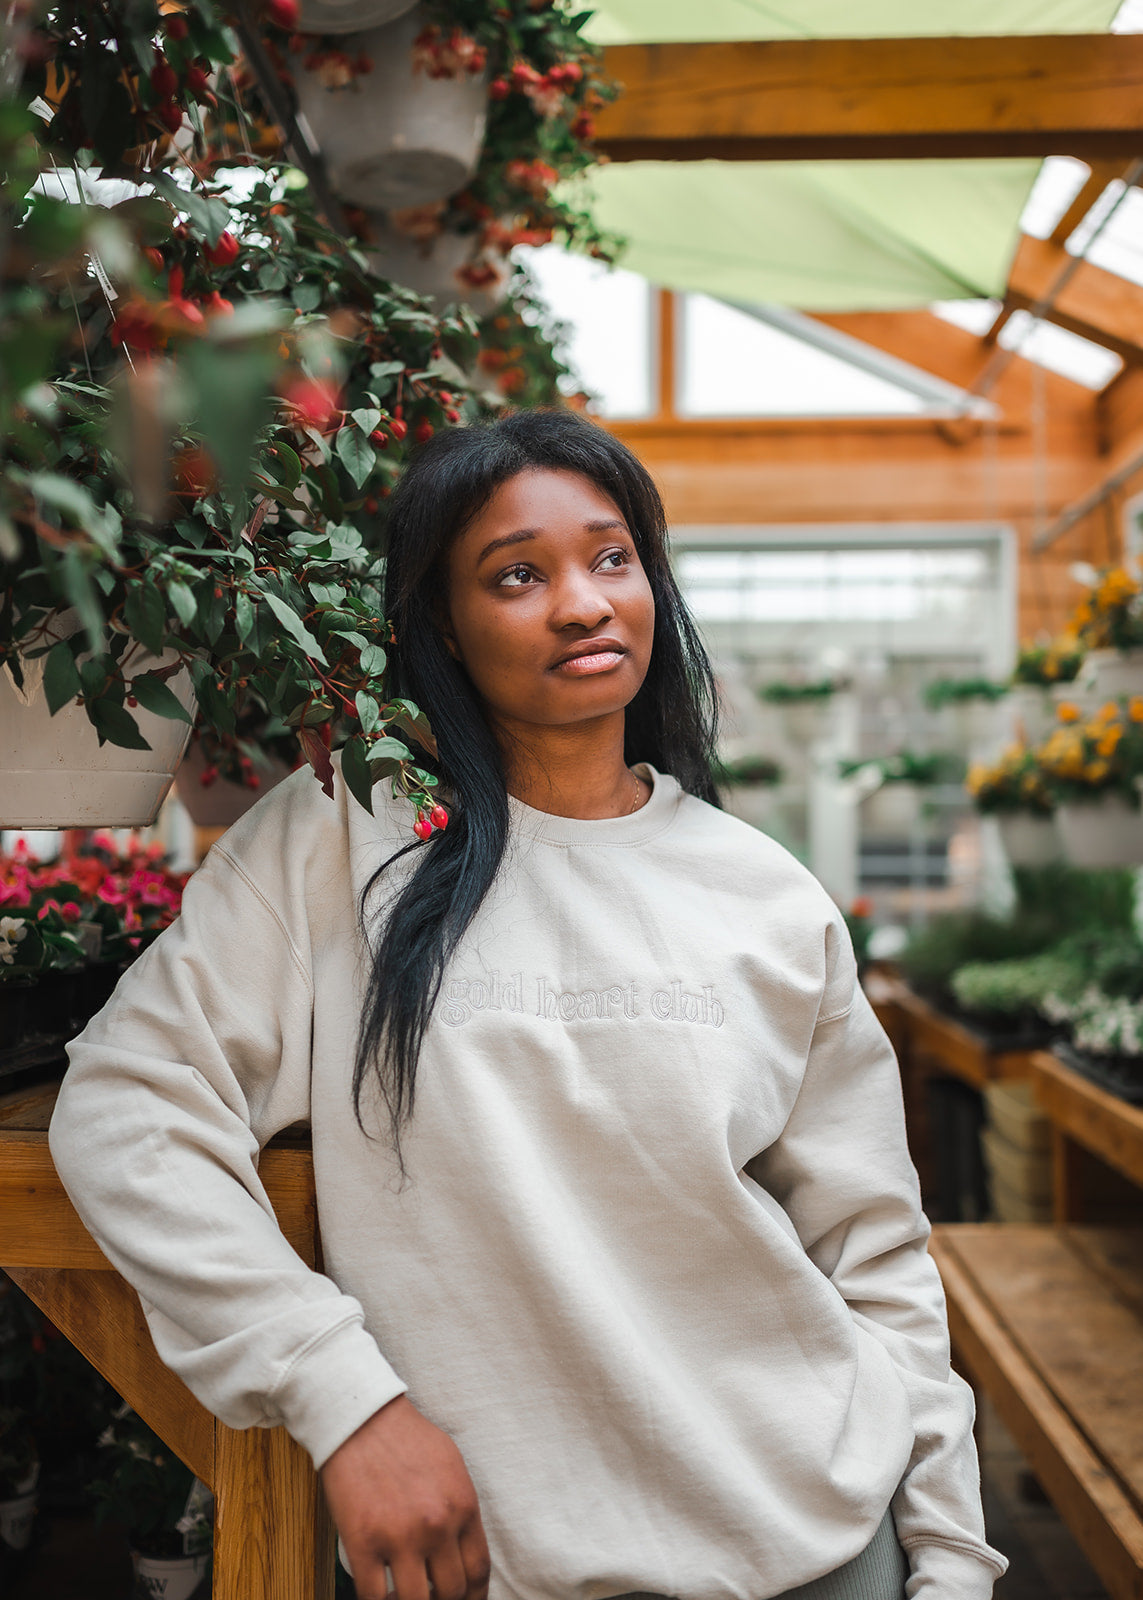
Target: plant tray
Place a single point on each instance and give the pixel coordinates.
(1119, 1075)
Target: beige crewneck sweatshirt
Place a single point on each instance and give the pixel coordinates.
(659, 1267)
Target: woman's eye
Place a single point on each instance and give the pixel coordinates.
(516, 577)
(615, 559)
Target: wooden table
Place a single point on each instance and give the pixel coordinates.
(1083, 1117)
(273, 1537)
(919, 1030)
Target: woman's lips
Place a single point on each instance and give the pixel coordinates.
(596, 661)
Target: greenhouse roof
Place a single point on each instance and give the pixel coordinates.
(833, 235)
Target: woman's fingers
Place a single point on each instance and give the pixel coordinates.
(410, 1577)
(474, 1555)
(447, 1574)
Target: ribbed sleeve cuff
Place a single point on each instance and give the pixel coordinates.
(941, 1571)
(333, 1386)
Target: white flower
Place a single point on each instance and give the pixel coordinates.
(13, 929)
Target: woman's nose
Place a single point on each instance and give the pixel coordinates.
(580, 600)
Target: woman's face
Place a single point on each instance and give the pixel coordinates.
(549, 608)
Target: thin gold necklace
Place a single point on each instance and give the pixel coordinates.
(638, 794)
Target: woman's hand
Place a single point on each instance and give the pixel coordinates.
(401, 1497)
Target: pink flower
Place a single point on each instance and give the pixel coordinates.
(70, 912)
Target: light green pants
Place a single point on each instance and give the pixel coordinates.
(878, 1573)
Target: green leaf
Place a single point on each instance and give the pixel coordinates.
(368, 713)
(153, 694)
(271, 276)
(355, 770)
(146, 617)
(386, 369)
(285, 465)
(116, 725)
(295, 627)
(181, 596)
(208, 218)
(306, 296)
(61, 676)
(389, 748)
(356, 455)
(366, 418)
(373, 659)
(243, 616)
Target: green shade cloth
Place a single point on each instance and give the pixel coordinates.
(666, 21)
(824, 235)
(820, 235)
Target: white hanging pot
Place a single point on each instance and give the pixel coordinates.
(805, 720)
(394, 138)
(893, 810)
(1029, 840)
(55, 774)
(1033, 713)
(431, 268)
(222, 802)
(176, 1579)
(1102, 832)
(16, 1519)
(1112, 673)
(347, 16)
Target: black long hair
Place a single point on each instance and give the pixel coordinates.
(670, 723)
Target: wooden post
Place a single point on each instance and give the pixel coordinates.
(1067, 1178)
(666, 366)
(273, 1536)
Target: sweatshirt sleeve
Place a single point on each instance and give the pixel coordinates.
(201, 1056)
(842, 1172)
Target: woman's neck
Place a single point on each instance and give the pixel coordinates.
(572, 771)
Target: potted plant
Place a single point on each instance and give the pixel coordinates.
(165, 1511)
(1094, 765)
(19, 1472)
(1008, 997)
(1015, 792)
(199, 439)
(892, 787)
(1040, 668)
(749, 783)
(1109, 624)
(972, 704)
(67, 929)
(1101, 1002)
(803, 703)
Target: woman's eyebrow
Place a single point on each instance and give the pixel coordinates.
(523, 534)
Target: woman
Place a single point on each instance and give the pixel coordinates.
(626, 1288)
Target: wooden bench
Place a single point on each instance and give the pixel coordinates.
(1048, 1322)
(273, 1537)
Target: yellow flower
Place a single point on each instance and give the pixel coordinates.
(1068, 711)
(1096, 771)
(1107, 712)
(1135, 708)
(1108, 741)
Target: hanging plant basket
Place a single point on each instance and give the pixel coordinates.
(1102, 832)
(175, 1579)
(893, 811)
(1029, 840)
(433, 268)
(222, 802)
(348, 16)
(396, 138)
(55, 774)
(1112, 673)
(1033, 713)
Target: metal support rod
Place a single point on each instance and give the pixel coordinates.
(1090, 501)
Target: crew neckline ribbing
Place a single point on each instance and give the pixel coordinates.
(544, 827)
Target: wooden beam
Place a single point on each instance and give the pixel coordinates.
(873, 99)
(1097, 305)
(1102, 173)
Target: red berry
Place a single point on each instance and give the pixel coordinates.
(499, 89)
(207, 776)
(398, 429)
(252, 780)
(438, 816)
(218, 591)
(377, 437)
(131, 701)
(197, 80)
(175, 27)
(155, 257)
(371, 503)
(216, 303)
(422, 827)
(452, 415)
(164, 78)
(224, 252)
(171, 116)
(283, 13)
(423, 431)
(445, 398)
